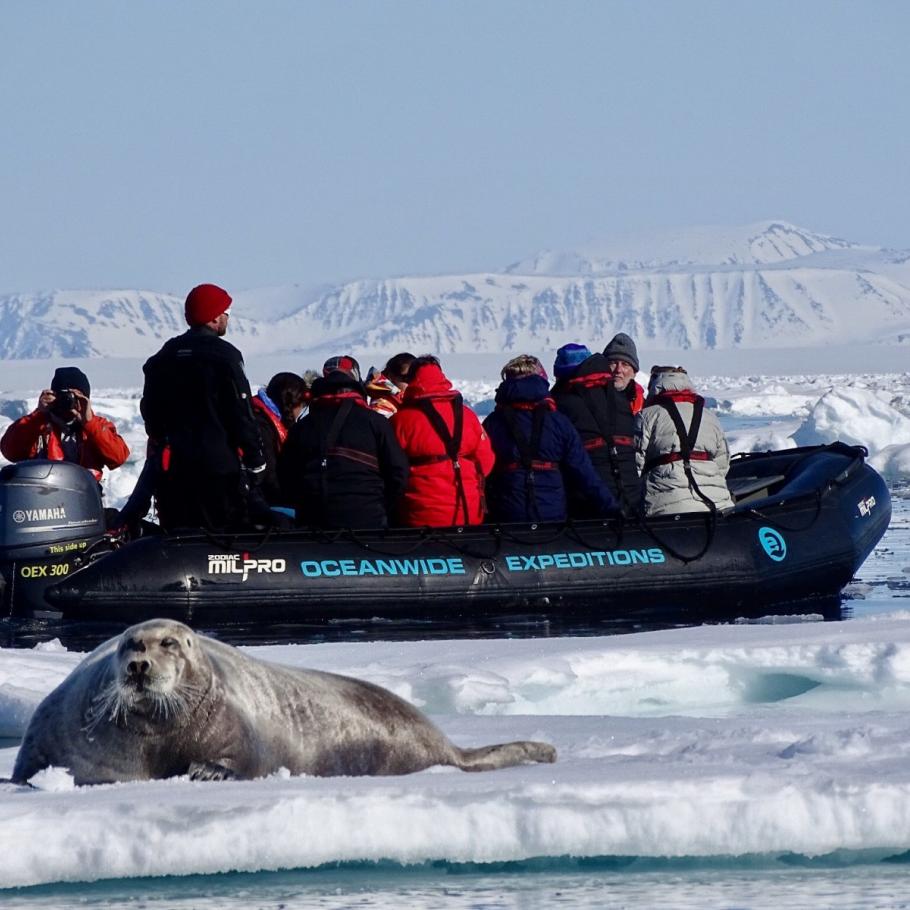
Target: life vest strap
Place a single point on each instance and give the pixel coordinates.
(417, 461)
(535, 465)
(363, 458)
(670, 457)
(452, 442)
(598, 442)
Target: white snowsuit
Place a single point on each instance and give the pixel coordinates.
(665, 487)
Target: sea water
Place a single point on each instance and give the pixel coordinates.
(764, 882)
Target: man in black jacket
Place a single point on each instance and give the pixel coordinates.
(586, 393)
(341, 465)
(197, 412)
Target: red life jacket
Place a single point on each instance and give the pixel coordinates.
(596, 381)
(280, 428)
(688, 396)
(439, 493)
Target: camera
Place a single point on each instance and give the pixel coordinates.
(65, 403)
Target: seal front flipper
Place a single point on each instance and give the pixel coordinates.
(16, 784)
(210, 770)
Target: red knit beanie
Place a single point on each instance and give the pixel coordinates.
(205, 302)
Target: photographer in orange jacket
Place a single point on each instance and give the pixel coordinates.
(65, 428)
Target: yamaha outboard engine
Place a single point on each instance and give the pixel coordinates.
(51, 521)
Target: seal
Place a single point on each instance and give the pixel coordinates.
(161, 701)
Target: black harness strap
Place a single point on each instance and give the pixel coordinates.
(452, 443)
(327, 444)
(602, 408)
(687, 439)
(528, 451)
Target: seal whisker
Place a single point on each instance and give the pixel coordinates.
(106, 707)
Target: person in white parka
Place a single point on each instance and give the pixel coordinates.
(670, 481)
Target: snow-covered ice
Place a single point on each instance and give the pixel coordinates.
(730, 741)
(712, 741)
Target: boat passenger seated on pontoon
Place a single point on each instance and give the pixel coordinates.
(277, 408)
(621, 355)
(586, 392)
(539, 453)
(449, 453)
(386, 389)
(682, 451)
(341, 466)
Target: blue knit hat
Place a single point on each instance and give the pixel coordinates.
(568, 358)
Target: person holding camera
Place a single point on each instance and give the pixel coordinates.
(65, 428)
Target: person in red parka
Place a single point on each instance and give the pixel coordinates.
(65, 428)
(449, 453)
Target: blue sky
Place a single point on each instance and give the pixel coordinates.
(160, 144)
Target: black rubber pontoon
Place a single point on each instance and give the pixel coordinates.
(804, 522)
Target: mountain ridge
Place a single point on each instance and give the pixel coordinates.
(775, 285)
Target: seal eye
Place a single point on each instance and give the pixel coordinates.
(168, 643)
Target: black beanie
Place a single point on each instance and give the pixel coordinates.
(70, 378)
(622, 347)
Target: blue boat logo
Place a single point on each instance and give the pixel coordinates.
(773, 544)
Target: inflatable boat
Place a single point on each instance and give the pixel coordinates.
(803, 522)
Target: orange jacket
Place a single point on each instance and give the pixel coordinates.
(35, 436)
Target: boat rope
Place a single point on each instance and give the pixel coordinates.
(710, 529)
(229, 542)
(776, 523)
(422, 538)
(512, 537)
(575, 532)
(687, 439)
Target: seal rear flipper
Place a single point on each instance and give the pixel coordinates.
(504, 755)
(210, 770)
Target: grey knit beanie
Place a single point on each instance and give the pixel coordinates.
(622, 347)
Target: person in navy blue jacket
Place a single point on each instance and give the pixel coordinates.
(538, 452)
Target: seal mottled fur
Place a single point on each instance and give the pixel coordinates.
(160, 701)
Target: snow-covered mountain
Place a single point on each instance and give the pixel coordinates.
(75, 324)
(759, 244)
(764, 285)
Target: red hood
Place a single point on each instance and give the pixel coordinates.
(689, 396)
(260, 406)
(333, 399)
(428, 382)
(587, 380)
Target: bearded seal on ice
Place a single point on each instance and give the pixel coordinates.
(161, 701)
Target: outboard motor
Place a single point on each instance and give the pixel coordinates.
(51, 522)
